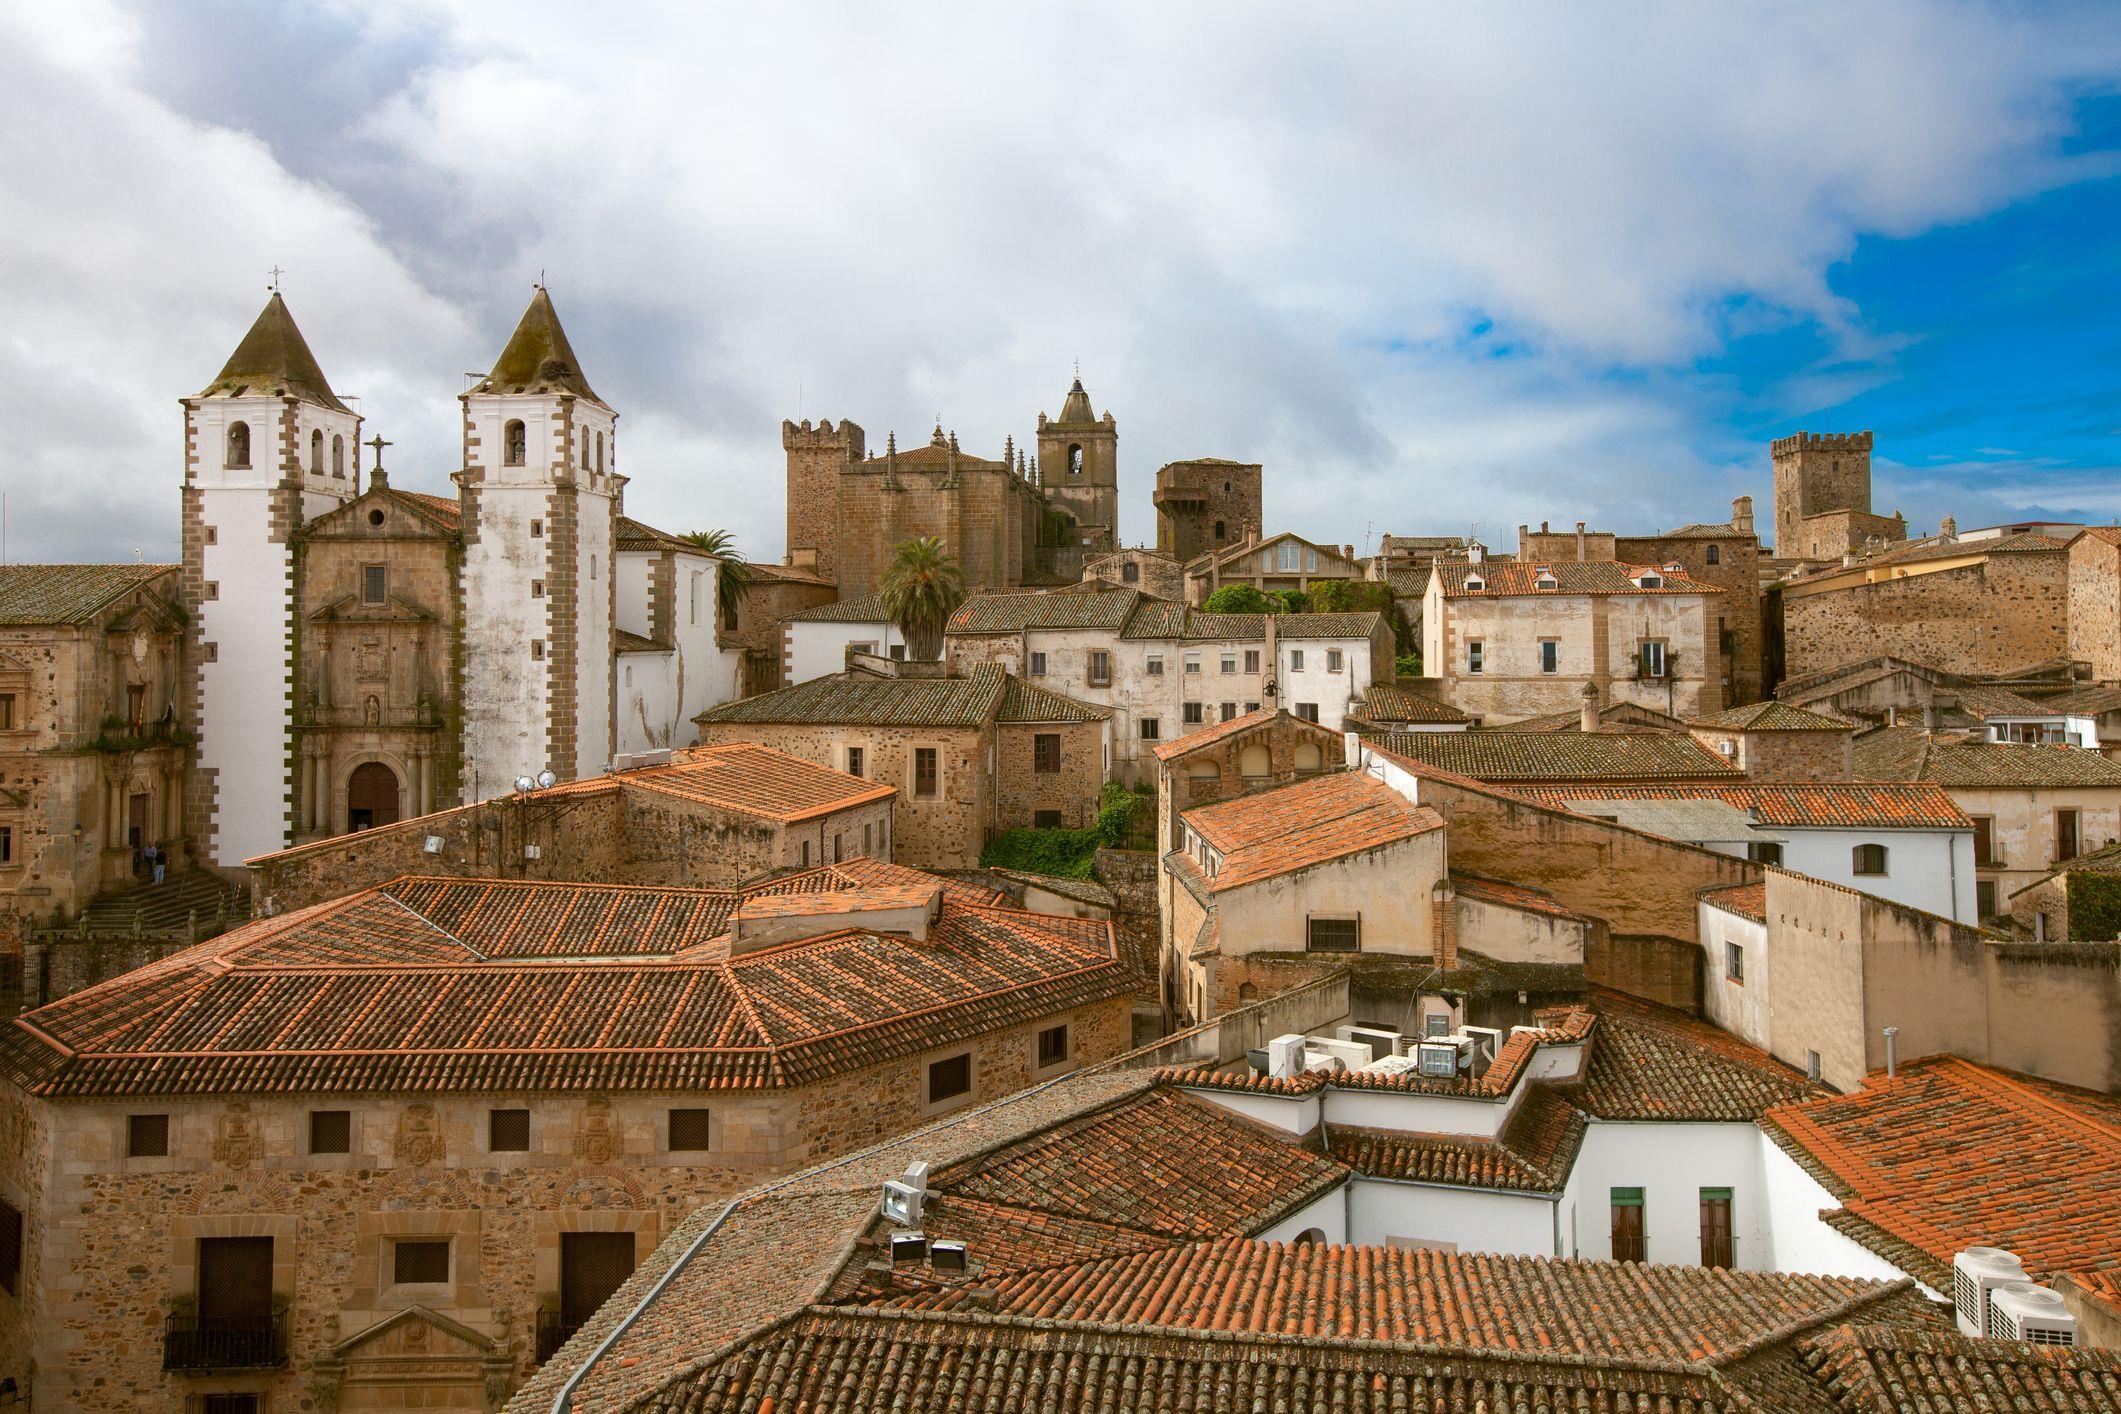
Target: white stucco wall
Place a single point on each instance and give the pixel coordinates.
(648, 703)
(1328, 1213)
(814, 650)
(1932, 870)
(1671, 1164)
(1315, 683)
(1799, 1241)
(1740, 1008)
(1471, 1220)
(595, 735)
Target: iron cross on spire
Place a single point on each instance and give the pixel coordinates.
(276, 272)
(379, 443)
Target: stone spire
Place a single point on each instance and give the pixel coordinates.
(1075, 411)
(274, 361)
(538, 358)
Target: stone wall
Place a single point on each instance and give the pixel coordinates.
(1736, 633)
(1990, 614)
(2094, 576)
(1193, 498)
(816, 457)
(1782, 756)
(1021, 793)
(1597, 641)
(1816, 473)
(1156, 574)
(943, 831)
(112, 1240)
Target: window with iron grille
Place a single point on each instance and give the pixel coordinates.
(1052, 1049)
(688, 1130)
(1100, 668)
(1334, 935)
(330, 1131)
(419, 1261)
(375, 582)
(1045, 753)
(508, 1131)
(146, 1136)
(1630, 1242)
(949, 1078)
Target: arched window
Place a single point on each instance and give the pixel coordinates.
(239, 444)
(1203, 771)
(1219, 530)
(1130, 572)
(316, 453)
(1310, 1237)
(1075, 459)
(338, 457)
(1309, 757)
(585, 449)
(512, 443)
(1254, 763)
(600, 451)
(1869, 858)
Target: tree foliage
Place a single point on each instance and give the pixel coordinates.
(732, 577)
(1240, 599)
(921, 589)
(1351, 596)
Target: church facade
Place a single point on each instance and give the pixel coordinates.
(357, 654)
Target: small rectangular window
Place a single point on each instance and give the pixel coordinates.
(1870, 858)
(1046, 753)
(1761, 852)
(537, 649)
(1190, 714)
(2065, 836)
(7, 711)
(949, 1078)
(1985, 898)
(1296, 660)
(1734, 963)
(1192, 663)
(1651, 656)
(146, 1136)
(1984, 840)
(1229, 658)
(868, 840)
(537, 589)
(1152, 728)
(1045, 819)
(330, 1132)
(508, 1131)
(1052, 1046)
(1476, 657)
(1549, 656)
(688, 1131)
(419, 1261)
(537, 529)
(1100, 668)
(1334, 935)
(1229, 711)
(1251, 660)
(924, 770)
(10, 1247)
(1251, 707)
(1156, 665)
(7, 844)
(1308, 711)
(375, 583)
(1629, 1240)
(1333, 659)
(1038, 664)
(854, 760)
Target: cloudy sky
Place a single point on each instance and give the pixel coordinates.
(1435, 266)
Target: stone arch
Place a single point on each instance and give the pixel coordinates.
(515, 446)
(238, 444)
(1255, 762)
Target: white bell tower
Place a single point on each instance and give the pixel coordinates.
(541, 500)
(267, 446)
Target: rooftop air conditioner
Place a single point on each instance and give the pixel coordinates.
(1381, 1040)
(2021, 1310)
(1352, 1054)
(1487, 1043)
(1285, 1056)
(1976, 1273)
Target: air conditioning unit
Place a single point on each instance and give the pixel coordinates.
(1437, 1060)
(1976, 1274)
(1285, 1057)
(1381, 1041)
(1352, 1054)
(1487, 1044)
(2021, 1310)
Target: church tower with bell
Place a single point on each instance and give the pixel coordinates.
(541, 505)
(267, 447)
(1078, 463)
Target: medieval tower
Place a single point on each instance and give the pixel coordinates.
(1823, 496)
(267, 446)
(541, 502)
(1078, 462)
(817, 457)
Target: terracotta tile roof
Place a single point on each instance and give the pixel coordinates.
(2091, 700)
(1613, 717)
(751, 779)
(1396, 702)
(445, 510)
(456, 984)
(639, 535)
(1653, 1063)
(1985, 701)
(625, 642)
(1510, 579)
(1013, 611)
(1223, 731)
(1562, 756)
(1408, 584)
(69, 594)
(1700, 530)
(1028, 702)
(1163, 1162)
(1509, 895)
(1452, 1300)
(1873, 1369)
(1745, 900)
(1912, 754)
(1274, 832)
(1303, 627)
(1857, 805)
(859, 609)
(785, 574)
(1533, 1155)
(1771, 716)
(1921, 551)
(986, 694)
(1950, 1155)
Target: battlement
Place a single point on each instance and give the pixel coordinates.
(847, 437)
(1820, 442)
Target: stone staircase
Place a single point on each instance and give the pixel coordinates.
(189, 906)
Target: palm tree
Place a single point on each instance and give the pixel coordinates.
(732, 577)
(922, 587)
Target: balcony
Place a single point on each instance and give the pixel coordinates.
(555, 1329)
(224, 1342)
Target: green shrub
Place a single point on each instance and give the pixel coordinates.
(1070, 853)
(1290, 601)
(1407, 665)
(1240, 599)
(2094, 906)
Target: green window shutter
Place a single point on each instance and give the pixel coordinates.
(1627, 1197)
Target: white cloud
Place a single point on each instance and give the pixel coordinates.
(1265, 232)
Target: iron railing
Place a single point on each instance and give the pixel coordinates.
(224, 1342)
(555, 1329)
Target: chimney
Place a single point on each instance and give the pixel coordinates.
(1892, 1052)
(1742, 514)
(1347, 552)
(1579, 540)
(1589, 720)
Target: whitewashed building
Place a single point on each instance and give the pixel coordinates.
(672, 664)
(815, 642)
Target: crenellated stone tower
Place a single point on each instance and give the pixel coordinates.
(541, 500)
(817, 458)
(1823, 496)
(267, 447)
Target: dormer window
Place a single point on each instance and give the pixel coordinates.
(1474, 583)
(239, 444)
(1543, 578)
(1650, 580)
(513, 443)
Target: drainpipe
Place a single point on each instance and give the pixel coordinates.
(1892, 1052)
